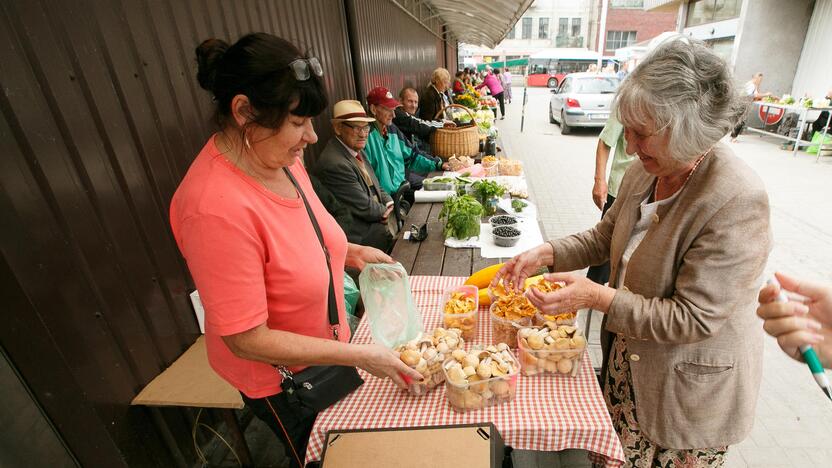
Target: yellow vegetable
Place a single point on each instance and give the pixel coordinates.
(482, 278)
(485, 299)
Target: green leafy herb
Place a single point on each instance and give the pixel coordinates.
(485, 190)
(462, 216)
(518, 205)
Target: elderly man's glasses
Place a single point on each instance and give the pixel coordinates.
(360, 129)
(304, 68)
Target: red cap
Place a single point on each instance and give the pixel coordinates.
(381, 97)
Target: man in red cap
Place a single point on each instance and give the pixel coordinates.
(393, 157)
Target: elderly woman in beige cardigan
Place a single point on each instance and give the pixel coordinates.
(687, 240)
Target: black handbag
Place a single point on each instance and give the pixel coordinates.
(317, 388)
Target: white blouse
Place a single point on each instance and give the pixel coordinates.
(648, 210)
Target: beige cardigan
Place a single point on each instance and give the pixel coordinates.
(687, 306)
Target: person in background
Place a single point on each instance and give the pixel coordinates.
(393, 158)
(493, 84)
(799, 322)
(506, 82)
(343, 169)
(333, 206)
(435, 98)
(466, 76)
(823, 118)
(459, 84)
(752, 93)
(416, 130)
(603, 191)
(242, 224)
(623, 71)
(592, 68)
(687, 239)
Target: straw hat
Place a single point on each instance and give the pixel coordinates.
(350, 111)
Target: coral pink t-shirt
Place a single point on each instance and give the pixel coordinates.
(255, 259)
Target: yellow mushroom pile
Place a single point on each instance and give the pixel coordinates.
(480, 377)
(552, 348)
(427, 353)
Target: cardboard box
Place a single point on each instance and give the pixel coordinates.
(466, 445)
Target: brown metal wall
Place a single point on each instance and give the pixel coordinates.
(390, 48)
(100, 116)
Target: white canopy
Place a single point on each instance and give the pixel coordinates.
(483, 22)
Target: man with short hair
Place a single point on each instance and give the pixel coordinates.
(343, 168)
(392, 156)
(416, 130)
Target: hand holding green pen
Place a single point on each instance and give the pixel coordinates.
(798, 326)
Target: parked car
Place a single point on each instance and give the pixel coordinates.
(583, 100)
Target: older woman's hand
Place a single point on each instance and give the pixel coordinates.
(579, 293)
(358, 256)
(516, 270)
(383, 362)
(797, 323)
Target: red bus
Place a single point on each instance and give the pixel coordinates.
(550, 66)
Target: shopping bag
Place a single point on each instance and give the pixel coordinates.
(815, 146)
(388, 304)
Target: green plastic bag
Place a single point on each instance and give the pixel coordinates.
(815, 146)
(351, 294)
(388, 304)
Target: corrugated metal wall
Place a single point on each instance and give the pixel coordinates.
(100, 116)
(390, 48)
(813, 68)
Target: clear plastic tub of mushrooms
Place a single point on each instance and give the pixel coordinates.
(480, 377)
(426, 354)
(552, 348)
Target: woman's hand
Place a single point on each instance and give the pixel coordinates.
(516, 270)
(800, 321)
(383, 362)
(358, 256)
(579, 293)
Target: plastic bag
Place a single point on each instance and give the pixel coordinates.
(388, 303)
(815, 147)
(351, 294)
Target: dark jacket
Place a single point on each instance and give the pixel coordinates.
(430, 103)
(338, 211)
(338, 170)
(413, 126)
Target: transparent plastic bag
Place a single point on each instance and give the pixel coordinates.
(388, 303)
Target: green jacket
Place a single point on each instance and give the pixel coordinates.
(391, 156)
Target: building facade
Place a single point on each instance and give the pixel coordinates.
(628, 23)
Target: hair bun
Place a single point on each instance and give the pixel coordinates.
(208, 56)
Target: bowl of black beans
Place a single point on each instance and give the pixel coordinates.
(502, 220)
(506, 236)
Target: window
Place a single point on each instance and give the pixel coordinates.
(619, 39)
(626, 3)
(527, 28)
(709, 11)
(576, 27)
(543, 29)
(512, 32)
(563, 27)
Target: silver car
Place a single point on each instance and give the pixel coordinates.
(583, 100)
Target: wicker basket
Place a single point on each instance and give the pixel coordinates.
(462, 141)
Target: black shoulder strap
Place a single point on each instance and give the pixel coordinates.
(332, 305)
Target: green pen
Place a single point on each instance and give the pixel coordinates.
(808, 353)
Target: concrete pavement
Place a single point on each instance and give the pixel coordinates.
(793, 426)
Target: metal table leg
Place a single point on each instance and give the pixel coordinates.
(801, 123)
(823, 136)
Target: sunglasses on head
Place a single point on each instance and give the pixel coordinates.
(304, 68)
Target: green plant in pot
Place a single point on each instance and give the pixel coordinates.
(461, 214)
(487, 192)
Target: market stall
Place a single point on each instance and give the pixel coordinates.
(772, 111)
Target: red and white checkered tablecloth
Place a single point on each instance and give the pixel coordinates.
(549, 413)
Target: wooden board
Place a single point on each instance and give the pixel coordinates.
(190, 381)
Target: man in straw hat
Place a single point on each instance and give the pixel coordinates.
(343, 168)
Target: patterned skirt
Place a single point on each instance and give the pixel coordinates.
(639, 451)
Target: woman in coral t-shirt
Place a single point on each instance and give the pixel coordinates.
(248, 240)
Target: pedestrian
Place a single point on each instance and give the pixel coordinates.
(687, 238)
(751, 91)
(604, 191)
(267, 258)
(507, 84)
(799, 322)
(493, 83)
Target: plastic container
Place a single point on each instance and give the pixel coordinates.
(502, 220)
(506, 241)
(504, 330)
(434, 377)
(482, 393)
(566, 361)
(466, 322)
(431, 351)
(540, 319)
(431, 185)
(510, 167)
(491, 167)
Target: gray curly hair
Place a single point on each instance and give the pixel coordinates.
(684, 87)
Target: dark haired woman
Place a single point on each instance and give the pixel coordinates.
(240, 219)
